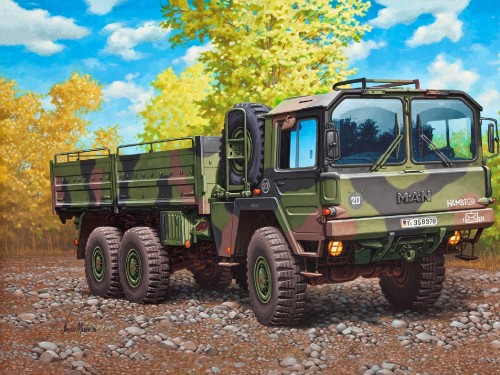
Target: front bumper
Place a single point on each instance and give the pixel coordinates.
(380, 226)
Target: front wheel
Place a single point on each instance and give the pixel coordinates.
(277, 290)
(419, 284)
(144, 266)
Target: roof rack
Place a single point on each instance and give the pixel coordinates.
(383, 83)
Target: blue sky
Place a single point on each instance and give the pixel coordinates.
(452, 44)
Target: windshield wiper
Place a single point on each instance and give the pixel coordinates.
(395, 143)
(447, 162)
(383, 158)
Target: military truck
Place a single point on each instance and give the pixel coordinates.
(378, 178)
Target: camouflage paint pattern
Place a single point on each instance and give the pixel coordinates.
(370, 206)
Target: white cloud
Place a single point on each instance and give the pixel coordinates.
(132, 76)
(93, 63)
(447, 75)
(445, 12)
(192, 53)
(123, 40)
(135, 94)
(497, 62)
(446, 26)
(490, 100)
(102, 7)
(361, 50)
(35, 29)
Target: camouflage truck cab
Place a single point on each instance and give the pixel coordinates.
(380, 181)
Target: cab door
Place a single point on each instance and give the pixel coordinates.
(296, 173)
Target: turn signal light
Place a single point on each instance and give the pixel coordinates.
(76, 242)
(327, 211)
(455, 239)
(257, 191)
(187, 244)
(228, 250)
(335, 248)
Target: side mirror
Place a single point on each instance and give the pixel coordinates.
(491, 138)
(332, 144)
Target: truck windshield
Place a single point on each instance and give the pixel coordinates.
(367, 129)
(442, 131)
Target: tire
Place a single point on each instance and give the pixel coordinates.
(277, 290)
(101, 262)
(419, 284)
(213, 277)
(143, 266)
(255, 132)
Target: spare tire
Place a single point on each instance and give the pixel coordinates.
(255, 137)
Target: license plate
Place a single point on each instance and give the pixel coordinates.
(428, 221)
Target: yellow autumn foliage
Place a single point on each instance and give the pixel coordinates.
(108, 137)
(30, 135)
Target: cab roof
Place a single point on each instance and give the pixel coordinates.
(300, 103)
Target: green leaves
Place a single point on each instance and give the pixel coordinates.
(265, 50)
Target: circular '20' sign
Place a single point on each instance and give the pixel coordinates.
(355, 200)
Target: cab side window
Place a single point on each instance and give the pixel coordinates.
(298, 145)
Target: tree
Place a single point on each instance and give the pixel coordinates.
(491, 236)
(107, 137)
(175, 110)
(30, 136)
(265, 51)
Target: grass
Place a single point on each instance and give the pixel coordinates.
(487, 261)
(8, 252)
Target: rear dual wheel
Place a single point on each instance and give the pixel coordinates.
(143, 266)
(101, 262)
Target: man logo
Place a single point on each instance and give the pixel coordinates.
(414, 197)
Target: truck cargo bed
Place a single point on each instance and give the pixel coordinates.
(96, 179)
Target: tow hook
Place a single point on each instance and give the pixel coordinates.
(408, 253)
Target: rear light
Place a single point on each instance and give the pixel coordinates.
(455, 239)
(335, 248)
(76, 242)
(257, 191)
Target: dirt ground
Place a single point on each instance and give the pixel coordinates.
(46, 299)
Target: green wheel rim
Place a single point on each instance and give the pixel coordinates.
(98, 267)
(133, 268)
(238, 166)
(262, 280)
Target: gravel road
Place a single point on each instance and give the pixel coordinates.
(50, 324)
